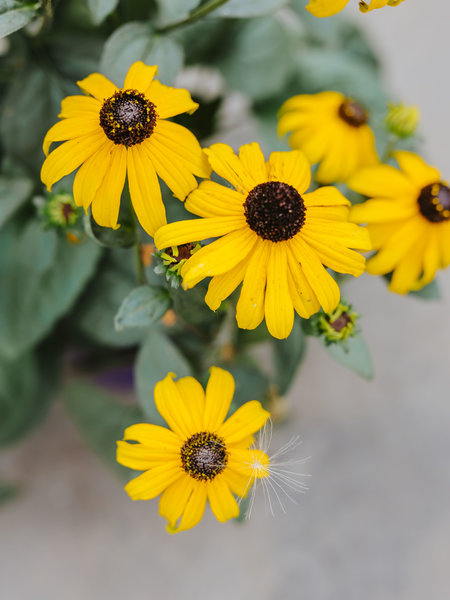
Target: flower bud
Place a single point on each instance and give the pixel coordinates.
(337, 326)
(172, 260)
(402, 120)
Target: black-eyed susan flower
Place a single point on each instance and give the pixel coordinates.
(116, 133)
(273, 238)
(201, 457)
(408, 218)
(331, 130)
(327, 8)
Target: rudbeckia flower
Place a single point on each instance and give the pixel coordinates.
(327, 8)
(113, 133)
(408, 219)
(331, 130)
(201, 457)
(273, 237)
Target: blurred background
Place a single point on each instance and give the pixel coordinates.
(375, 523)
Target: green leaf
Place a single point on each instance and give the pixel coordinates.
(15, 19)
(142, 307)
(249, 8)
(288, 355)
(95, 313)
(137, 41)
(157, 357)
(13, 193)
(429, 292)
(123, 237)
(175, 10)
(258, 61)
(354, 355)
(8, 492)
(101, 419)
(100, 9)
(251, 384)
(43, 275)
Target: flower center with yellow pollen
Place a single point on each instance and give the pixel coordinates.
(275, 211)
(352, 113)
(204, 455)
(128, 118)
(434, 202)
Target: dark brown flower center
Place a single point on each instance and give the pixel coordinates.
(342, 321)
(204, 455)
(352, 113)
(434, 202)
(275, 211)
(128, 118)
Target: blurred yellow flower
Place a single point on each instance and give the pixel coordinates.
(408, 219)
(331, 130)
(274, 238)
(327, 8)
(113, 133)
(201, 457)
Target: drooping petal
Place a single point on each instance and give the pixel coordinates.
(184, 144)
(247, 420)
(326, 196)
(141, 458)
(172, 407)
(240, 484)
(98, 86)
(379, 210)
(174, 499)
(151, 483)
(91, 174)
(431, 257)
(223, 503)
(250, 306)
(382, 181)
(194, 509)
(219, 393)
(278, 309)
(211, 199)
(336, 256)
(417, 169)
(408, 270)
(182, 232)
(106, 202)
(292, 168)
(347, 234)
(193, 397)
(222, 286)
(139, 77)
(303, 297)
(69, 129)
(145, 191)
(226, 164)
(253, 163)
(69, 156)
(170, 101)
(79, 106)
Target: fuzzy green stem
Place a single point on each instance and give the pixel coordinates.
(201, 12)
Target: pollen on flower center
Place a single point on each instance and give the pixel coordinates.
(352, 113)
(128, 118)
(275, 211)
(204, 455)
(434, 202)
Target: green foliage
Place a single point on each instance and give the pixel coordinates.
(288, 355)
(8, 491)
(100, 419)
(138, 41)
(249, 8)
(15, 15)
(44, 275)
(353, 354)
(429, 292)
(123, 237)
(157, 357)
(100, 9)
(175, 10)
(251, 383)
(13, 193)
(142, 307)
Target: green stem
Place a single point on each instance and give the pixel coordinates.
(201, 12)
(140, 268)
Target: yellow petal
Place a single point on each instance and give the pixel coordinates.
(79, 106)
(382, 181)
(443, 233)
(106, 202)
(253, 163)
(252, 463)
(379, 210)
(347, 234)
(250, 306)
(226, 164)
(182, 232)
(193, 397)
(139, 77)
(416, 169)
(69, 156)
(324, 197)
(240, 484)
(174, 499)
(98, 86)
(222, 286)
(68, 129)
(91, 174)
(194, 509)
(153, 482)
(336, 256)
(172, 407)
(279, 310)
(303, 297)
(247, 420)
(154, 437)
(334, 164)
(324, 286)
(219, 394)
(431, 257)
(317, 103)
(141, 458)
(211, 199)
(145, 191)
(408, 270)
(219, 257)
(223, 503)
(291, 168)
(170, 101)
(326, 8)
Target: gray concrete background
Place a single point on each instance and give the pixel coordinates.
(375, 524)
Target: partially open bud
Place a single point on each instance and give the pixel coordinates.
(58, 210)
(402, 120)
(336, 326)
(172, 259)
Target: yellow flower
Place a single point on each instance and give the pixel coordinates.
(201, 457)
(274, 238)
(113, 133)
(408, 219)
(331, 129)
(327, 8)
